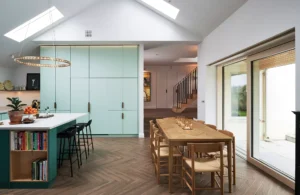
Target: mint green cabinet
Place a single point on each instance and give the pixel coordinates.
(130, 93)
(130, 61)
(63, 80)
(47, 92)
(106, 61)
(80, 61)
(80, 97)
(113, 123)
(130, 122)
(114, 93)
(98, 105)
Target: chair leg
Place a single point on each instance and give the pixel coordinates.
(222, 182)
(182, 174)
(63, 151)
(91, 136)
(59, 154)
(76, 149)
(212, 179)
(78, 146)
(70, 156)
(87, 139)
(83, 136)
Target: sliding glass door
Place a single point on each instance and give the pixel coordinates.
(273, 123)
(233, 81)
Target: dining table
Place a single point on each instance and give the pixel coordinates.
(200, 133)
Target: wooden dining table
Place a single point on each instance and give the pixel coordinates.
(200, 133)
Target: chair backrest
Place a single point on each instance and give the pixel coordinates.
(212, 126)
(89, 123)
(205, 147)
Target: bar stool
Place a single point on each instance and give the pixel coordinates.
(69, 135)
(80, 129)
(89, 136)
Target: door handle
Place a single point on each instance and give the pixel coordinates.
(89, 107)
(55, 105)
(123, 104)
(122, 115)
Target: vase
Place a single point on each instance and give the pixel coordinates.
(15, 117)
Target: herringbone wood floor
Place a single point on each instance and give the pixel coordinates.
(123, 166)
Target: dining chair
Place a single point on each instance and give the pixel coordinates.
(230, 134)
(153, 130)
(191, 166)
(212, 126)
(162, 156)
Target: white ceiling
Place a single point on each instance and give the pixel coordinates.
(199, 17)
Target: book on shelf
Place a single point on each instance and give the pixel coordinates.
(27, 140)
(39, 170)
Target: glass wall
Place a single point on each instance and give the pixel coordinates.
(235, 103)
(273, 123)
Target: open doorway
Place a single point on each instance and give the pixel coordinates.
(164, 67)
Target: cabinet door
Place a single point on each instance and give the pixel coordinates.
(47, 80)
(63, 80)
(130, 122)
(5, 117)
(98, 105)
(106, 61)
(80, 61)
(114, 123)
(80, 97)
(114, 94)
(130, 61)
(130, 93)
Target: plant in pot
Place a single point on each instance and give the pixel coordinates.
(16, 114)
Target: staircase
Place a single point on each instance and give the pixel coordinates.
(185, 92)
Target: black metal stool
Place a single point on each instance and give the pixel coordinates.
(89, 135)
(80, 129)
(69, 135)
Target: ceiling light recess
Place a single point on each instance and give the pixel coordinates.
(163, 7)
(35, 24)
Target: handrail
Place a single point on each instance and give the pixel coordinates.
(185, 89)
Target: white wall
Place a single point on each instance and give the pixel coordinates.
(119, 21)
(6, 74)
(298, 59)
(20, 74)
(255, 21)
(170, 76)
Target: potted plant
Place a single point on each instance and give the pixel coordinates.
(16, 114)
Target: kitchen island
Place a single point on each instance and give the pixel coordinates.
(16, 161)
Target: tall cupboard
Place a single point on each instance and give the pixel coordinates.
(102, 81)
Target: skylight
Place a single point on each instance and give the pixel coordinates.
(35, 24)
(163, 7)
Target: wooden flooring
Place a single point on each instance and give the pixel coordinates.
(123, 166)
(152, 114)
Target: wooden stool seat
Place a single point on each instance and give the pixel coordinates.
(164, 152)
(205, 164)
(162, 144)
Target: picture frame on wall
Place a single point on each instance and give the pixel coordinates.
(147, 86)
(33, 81)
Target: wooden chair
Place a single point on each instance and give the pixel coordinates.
(153, 130)
(202, 165)
(161, 158)
(230, 134)
(212, 126)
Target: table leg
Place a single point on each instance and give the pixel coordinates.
(170, 167)
(229, 160)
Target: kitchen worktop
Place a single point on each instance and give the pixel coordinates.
(44, 124)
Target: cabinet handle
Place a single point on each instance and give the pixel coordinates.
(122, 115)
(89, 107)
(55, 105)
(122, 104)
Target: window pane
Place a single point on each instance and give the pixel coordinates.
(235, 103)
(273, 96)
